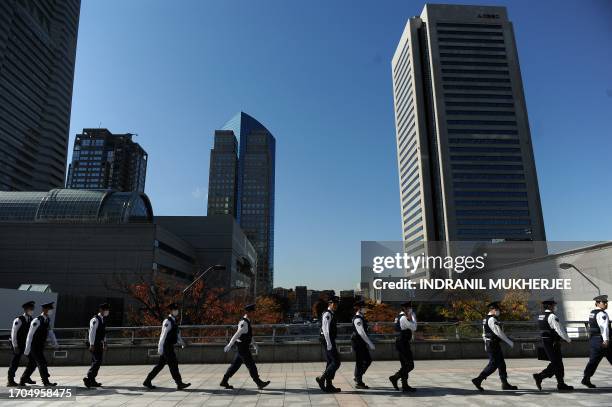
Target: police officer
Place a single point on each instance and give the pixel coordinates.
(552, 332)
(40, 330)
(405, 326)
(97, 344)
(329, 331)
(361, 344)
(493, 334)
(243, 339)
(19, 332)
(599, 329)
(170, 336)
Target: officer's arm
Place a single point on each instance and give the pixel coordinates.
(325, 329)
(33, 327)
(359, 327)
(407, 324)
(180, 340)
(496, 328)
(554, 323)
(242, 329)
(162, 337)
(14, 330)
(51, 337)
(602, 321)
(93, 327)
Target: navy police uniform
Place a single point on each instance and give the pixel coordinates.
(97, 341)
(404, 326)
(243, 339)
(40, 330)
(599, 329)
(328, 335)
(19, 333)
(361, 345)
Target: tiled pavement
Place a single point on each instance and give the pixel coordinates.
(439, 383)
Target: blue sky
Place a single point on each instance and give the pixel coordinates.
(317, 74)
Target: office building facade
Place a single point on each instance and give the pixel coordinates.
(103, 160)
(223, 175)
(37, 55)
(464, 150)
(254, 189)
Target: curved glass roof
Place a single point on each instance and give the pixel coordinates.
(75, 206)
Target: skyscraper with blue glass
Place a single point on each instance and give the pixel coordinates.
(464, 150)
(241, 183)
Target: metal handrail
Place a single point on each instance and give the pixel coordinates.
(308, 332)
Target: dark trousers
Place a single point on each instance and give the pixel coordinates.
(496, 361)
(15, 364)
(555, 367)
(96, 361)
(363, 360)
(406, 359)
(167, 358)
(37, 353)
(332, 357)
(243, 355)
(596, 354)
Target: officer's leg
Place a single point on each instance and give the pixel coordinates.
(557, 362)
(491, 366)
(550, 370)
(13, 366)
(367, 360)
(173, 365)
(247, 359)
(501, 365)
(359, 362)
(96, 362)
(334, 363)
(409, 360)
(234, 366)
(41, 361)
(30, 368)
(404, 363)
(157, 368)
(595, 355)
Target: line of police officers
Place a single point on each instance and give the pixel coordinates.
(29, 335)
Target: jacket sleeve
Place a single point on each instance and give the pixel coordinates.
(162, 337)
(325, 328)
(604, 324)
(496, 328)
(93, 327)
(554, 323)
(14, 330)
(405, 323)
(359, 327)
(242, 329)
(33, 327)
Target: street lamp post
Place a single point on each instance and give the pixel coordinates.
(567, 266)
(190, 286)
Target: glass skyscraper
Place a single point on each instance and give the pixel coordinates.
(465, 157)
(103, 160)
(243, 185)
(37, 54)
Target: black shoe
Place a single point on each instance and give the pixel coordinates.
(29, 381)
(87, 382)
(11, 383)
(97, 384)
(408, 389)
(538, 380)
(148, 385)
(23, 383)
(182, 386)
(394, 379)
(49, 384)
(262, 384)
(564, 387)
(477, 382)
(321, 382)
(361, 385)
(508, 386)
(587, 382)
(225, 384)
(331, 389)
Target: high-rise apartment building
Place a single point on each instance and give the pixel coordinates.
(223, 175)
(37, 54)
(465, 157)
(103, 160)
(254, 190)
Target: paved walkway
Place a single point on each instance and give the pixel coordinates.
(439, 383)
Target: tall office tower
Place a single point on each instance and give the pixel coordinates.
(465, 158)
(37, 53)
(103, 160)
(254, 190)
(223, 175)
